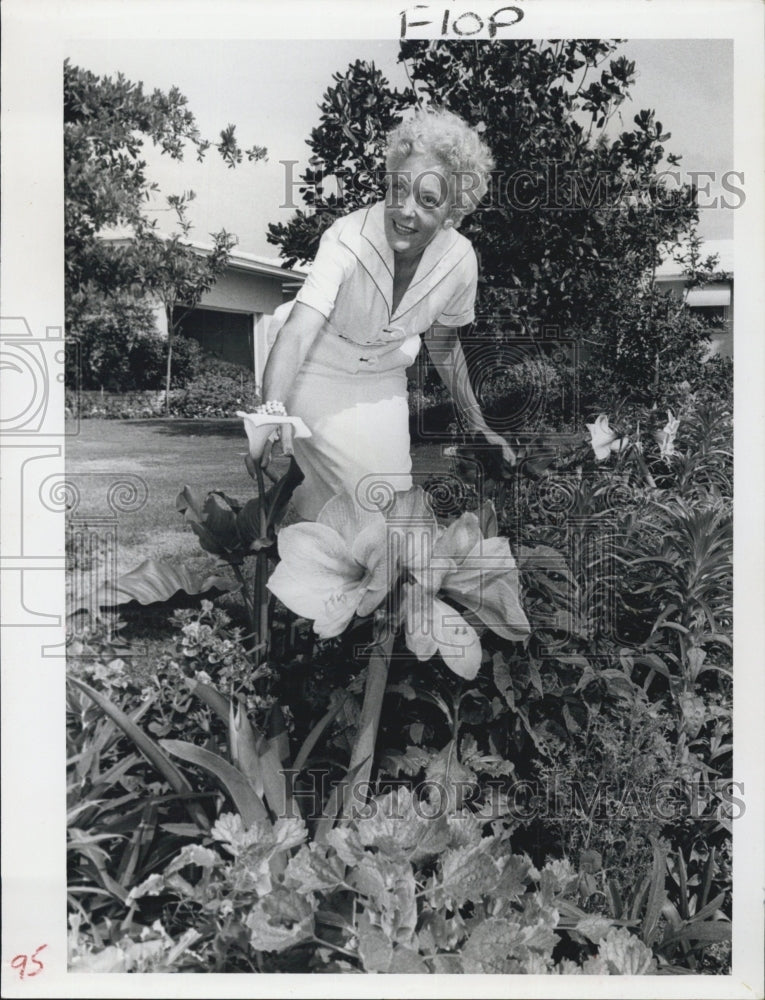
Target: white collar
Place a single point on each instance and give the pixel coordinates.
(366, 240)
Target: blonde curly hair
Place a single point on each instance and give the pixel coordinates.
(453, 143)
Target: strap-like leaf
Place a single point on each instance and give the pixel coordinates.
(243, 795)
(148, 748)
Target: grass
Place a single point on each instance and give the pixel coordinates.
(167, 455)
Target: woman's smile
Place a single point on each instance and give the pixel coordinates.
(417, 204)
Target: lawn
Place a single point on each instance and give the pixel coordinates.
(167, 455)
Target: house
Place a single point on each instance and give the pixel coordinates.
(231, 320)
(713, 301)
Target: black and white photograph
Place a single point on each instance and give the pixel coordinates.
(370, 499)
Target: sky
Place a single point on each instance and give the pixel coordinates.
(271, 91)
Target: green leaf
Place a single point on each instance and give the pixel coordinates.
(492, 944)
(242, 793)
(657, 893)
(316, 732)
(221, 522)
(389, 889)
(594, 927)
(625, 954)
(243, 745)
(503, 679)
(335, 803)
(378, 954)
(156, 580)
(248, 522)
(467, 873)
(189, 504)
(707, 931)
(280, 920)
(452, 782)
(148, 748)
(402, 829)
(212, 698)
(313, 870)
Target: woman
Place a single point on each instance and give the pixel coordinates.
(384, 277)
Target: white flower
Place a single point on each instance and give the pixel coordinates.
(666, 436)
(261, 426)
(333, 568)
(604, 440)
(481, 575)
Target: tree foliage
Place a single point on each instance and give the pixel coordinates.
(357, 113)
(107, 123)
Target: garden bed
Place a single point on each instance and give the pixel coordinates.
(562, 808)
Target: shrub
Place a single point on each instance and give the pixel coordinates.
(107, 329)
(214, 395)
(113, 341)
(148, 362)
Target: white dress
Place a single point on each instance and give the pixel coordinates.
(352, 390)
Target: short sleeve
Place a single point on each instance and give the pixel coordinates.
(460, 309)
(332, 265)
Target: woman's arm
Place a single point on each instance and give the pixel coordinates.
(285, 360)
(448, 359)
(286, 357)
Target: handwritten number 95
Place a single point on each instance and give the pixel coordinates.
(20, 962)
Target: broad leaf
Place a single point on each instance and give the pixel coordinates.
(156, 580)
(625, 954)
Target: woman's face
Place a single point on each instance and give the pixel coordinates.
(417, 204)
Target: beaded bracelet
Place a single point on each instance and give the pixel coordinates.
(272, 408)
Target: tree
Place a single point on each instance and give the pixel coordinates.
(356, 115)
(573, 219)
(107, 122)
(178, 274)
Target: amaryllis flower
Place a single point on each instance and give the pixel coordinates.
(260, 427)
(478, 573)
(346, 563)
(335, 567)
(604, 440)
(666, 436)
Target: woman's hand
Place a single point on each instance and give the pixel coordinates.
(509, 457)
(293, 341)
(282, 442)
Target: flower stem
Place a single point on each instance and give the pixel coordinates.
(362, 755)
(248, 605)
(260, 595)
(261, 607)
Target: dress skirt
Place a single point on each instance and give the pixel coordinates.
(360, 436)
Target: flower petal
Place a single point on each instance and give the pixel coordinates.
(371, 550)
(418, 622)
(431, 626)
(257, 437)
(411, 505)
(412, 528)
(487, 584)
(329, 611)
(460, 537)
(316, 551)
(348, 518)
(457, 641)
(260, 427)
(317, 577)
(603, 438)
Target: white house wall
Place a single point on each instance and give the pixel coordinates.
(236, 292)
(243, 292)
